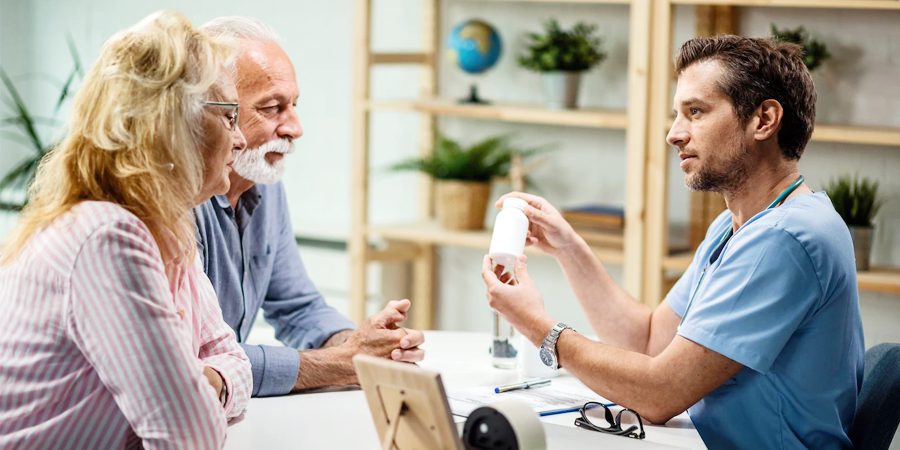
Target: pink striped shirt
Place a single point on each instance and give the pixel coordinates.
(96, 352)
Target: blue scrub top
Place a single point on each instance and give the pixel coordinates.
(781, 300)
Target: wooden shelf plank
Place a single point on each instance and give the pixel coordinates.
(886, 280)
(433, 234)
(851, 134)
(588, 117)
(857, 134)
(587, 2)
(820, 4)
(400, 58)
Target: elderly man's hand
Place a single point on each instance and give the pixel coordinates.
(381, 335)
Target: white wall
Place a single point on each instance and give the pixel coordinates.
(317, 35)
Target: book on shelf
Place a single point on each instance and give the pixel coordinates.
(602, 217)
(615, 238)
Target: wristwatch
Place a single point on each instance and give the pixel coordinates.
(548, 347)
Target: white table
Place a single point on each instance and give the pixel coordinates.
(341, 420)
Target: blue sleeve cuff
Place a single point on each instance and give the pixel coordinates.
(310, 335)
(274, 369)
(332, 327)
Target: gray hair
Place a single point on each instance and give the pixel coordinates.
(239, 27)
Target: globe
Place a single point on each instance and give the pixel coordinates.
(475, 46)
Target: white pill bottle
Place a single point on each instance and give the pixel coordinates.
(510, 231)
(507, 243)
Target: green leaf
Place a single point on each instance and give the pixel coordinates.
(21, 176)
(577, 49)
(36, 120)
(73, 51)
(15, 138)
(814, 52)
(64, 91)
(855, 199)
(482, 161)
(25, 117)
(76, 71)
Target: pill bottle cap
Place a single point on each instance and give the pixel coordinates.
(517, 203)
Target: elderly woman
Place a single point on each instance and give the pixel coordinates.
(110, 333)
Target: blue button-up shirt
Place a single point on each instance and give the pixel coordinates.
(251, 257)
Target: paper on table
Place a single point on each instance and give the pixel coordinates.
(563, 392)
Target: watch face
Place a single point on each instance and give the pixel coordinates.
(547, 358)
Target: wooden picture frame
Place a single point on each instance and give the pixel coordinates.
(408, 405)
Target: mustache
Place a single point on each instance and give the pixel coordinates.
(284, 146)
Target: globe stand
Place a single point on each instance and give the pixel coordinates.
(473, 98)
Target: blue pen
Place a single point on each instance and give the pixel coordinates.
(527, 384)
(554, 412)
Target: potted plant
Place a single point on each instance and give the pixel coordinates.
(27, 128)
(856, 200)
(462, 178)
(561, 56)
(814, 51)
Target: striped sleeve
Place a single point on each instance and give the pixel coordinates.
(122, 317)
(219, 348)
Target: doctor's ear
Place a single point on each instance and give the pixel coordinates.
(767, 120)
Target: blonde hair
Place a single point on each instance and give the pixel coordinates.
(134, 134)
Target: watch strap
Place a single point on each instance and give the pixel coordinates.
(552, 337)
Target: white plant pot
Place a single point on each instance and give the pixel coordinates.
(862, 245)
(561, 89)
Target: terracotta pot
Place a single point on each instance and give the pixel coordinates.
(461, 205)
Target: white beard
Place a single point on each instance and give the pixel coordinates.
(251, 163)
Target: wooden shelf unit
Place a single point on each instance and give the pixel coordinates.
(885, 280)
(658, 265)
(850, 134)
(580, 2)
(878, 279)
(817, 4)
(588, 117)
(432, 233)
(416, 243)
(645, 257)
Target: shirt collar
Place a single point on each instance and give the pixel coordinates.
(249, 200)
(222, 201)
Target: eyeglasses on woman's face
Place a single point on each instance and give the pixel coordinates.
(625, 423)
(233, 112)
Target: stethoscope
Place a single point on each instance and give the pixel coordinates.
(727, 235)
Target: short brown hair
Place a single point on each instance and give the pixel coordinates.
(757, 70)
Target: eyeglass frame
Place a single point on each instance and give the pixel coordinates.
(615, 423)
(232, 122)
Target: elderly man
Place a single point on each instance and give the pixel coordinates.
(248, 248)
(761, 338)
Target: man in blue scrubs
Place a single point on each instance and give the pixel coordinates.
(247, 245)
(761, 339)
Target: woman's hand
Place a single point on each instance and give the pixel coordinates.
(520, 302)
(547, 230)
(215, 380)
